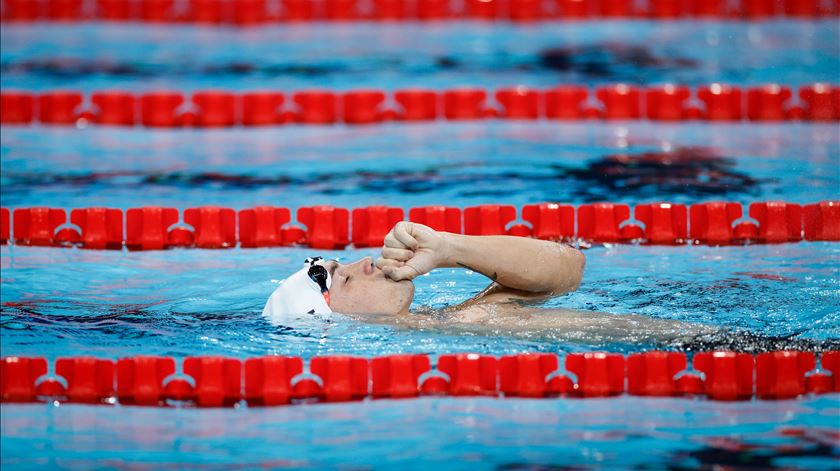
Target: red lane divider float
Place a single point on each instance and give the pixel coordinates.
(329, 228)
(276, 380)
(257, 12)
(219, 108)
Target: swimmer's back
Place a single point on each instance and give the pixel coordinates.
(518, 320)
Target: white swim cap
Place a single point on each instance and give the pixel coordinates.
(303, 293)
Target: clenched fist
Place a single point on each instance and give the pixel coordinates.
(411, 250)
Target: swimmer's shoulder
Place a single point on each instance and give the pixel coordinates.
(498, 297)
(491, 313)
(474, 314)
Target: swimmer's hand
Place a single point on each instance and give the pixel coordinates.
(411, 250)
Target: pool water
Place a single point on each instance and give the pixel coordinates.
(62, 302)
(194, 301)
(408, 165)
(445, 433)
(357, 55)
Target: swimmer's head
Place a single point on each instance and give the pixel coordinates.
(322, 287)
(362, 288)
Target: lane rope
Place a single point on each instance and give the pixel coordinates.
(213, 381)
(818, 102)
(243, 13)
(329, 227)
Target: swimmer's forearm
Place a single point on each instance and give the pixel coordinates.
(536, 266)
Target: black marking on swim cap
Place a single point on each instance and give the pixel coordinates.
(311, 311)
(312, 260)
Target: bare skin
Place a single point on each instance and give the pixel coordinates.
(522, 271)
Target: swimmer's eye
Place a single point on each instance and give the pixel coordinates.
(332, 269)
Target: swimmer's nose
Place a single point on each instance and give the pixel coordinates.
(368, 265)
(364, 266)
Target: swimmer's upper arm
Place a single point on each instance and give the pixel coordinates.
(524, 268)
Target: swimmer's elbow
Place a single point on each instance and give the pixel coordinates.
(572, 268)
(577, 266)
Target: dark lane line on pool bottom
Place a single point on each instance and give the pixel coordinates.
(687, 172)
(607, 61)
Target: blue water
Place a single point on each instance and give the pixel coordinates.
(424, 433)
(413, 165)
(59, 302)
(181, 303)
(385, 56)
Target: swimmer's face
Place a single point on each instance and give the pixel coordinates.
(362, 288)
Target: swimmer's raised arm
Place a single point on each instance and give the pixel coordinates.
(519, 263)
(527, 266)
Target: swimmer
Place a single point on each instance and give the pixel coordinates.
(521, 272)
